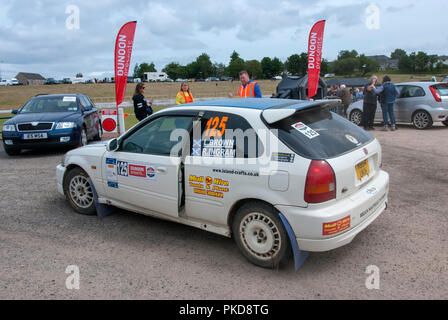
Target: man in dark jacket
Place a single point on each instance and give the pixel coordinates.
(389, 92)
(345, 96)
(369, 104)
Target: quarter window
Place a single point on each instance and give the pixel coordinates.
(226, 135)
(412, 92)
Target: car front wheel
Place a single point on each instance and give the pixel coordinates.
(356, 117)
(260, 235)
(445, 122)
(79, 192)
(422, 120)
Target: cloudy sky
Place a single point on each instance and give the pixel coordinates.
(35, 38)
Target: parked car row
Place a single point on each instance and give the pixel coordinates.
(419, 103)
(12, 82)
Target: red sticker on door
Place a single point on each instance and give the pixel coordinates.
(137, 171)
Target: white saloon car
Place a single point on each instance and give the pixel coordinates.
(273, 174)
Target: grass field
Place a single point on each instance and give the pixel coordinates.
(15, 96)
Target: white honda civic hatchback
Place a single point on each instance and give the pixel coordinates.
(279, 176)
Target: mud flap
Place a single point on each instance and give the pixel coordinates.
(102, 210)
(299, 256)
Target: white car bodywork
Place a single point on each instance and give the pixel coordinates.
(280, 184)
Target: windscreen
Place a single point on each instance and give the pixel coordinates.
(318, 133)
(51, 104)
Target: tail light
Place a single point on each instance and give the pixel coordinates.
(436, 94)
(320, 183)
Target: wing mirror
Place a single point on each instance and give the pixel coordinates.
(112, 145)
(15, 111)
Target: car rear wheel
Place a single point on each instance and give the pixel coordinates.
(79, 192)
(260, 235)
(422, 120)
(356, 117)
(445, 122)
(12, 152)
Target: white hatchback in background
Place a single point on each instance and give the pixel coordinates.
(272, 173)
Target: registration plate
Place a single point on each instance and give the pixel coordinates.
(37, 135)
(362, 169)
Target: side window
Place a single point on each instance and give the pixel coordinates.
(226, 135)
(401, 89)
(86, 103)
(413, 92)
(155, 137)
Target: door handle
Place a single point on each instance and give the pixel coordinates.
(161, 170)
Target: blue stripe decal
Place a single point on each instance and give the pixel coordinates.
(299, 256)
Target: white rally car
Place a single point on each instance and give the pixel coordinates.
(275, 174)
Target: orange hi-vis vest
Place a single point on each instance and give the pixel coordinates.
(188, 99)
(248, 91)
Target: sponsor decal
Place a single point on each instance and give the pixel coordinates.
(352, 139)
(283, 157)
(238, 172)
(69, 99)
(330, 228)
(373, 207)
(111, 172)
(371, 190)
(305, 130)
(151, 172)
(137, 171)
(208, 186)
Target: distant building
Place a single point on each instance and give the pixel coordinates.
(385, 62)
(30, 79)
(442, 59)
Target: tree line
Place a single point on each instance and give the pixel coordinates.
(348, 63)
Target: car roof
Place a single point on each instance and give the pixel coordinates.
(45, 95)
(253, 103)
(419, 83)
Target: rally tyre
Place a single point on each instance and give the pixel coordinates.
(99, 135)
(79, 192)
(422, 120)
(83, 141)
(445, 122)
(260, 235)
(12, 152)
(356, 117)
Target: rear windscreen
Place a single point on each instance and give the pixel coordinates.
(442, 88)
(320, 134)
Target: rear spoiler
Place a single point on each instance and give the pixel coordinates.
(282, 112)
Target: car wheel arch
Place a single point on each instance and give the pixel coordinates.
(240, 203)
(70, 167)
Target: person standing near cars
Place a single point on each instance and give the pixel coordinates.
(249, 88)
(184, 95)
(389, 92)
(369, 104)
(345, 96)
(142, 108)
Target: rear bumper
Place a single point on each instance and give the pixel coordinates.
(362, 208)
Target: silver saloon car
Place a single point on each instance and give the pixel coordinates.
(419, 103)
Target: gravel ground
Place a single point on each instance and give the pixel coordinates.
(129, 256)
